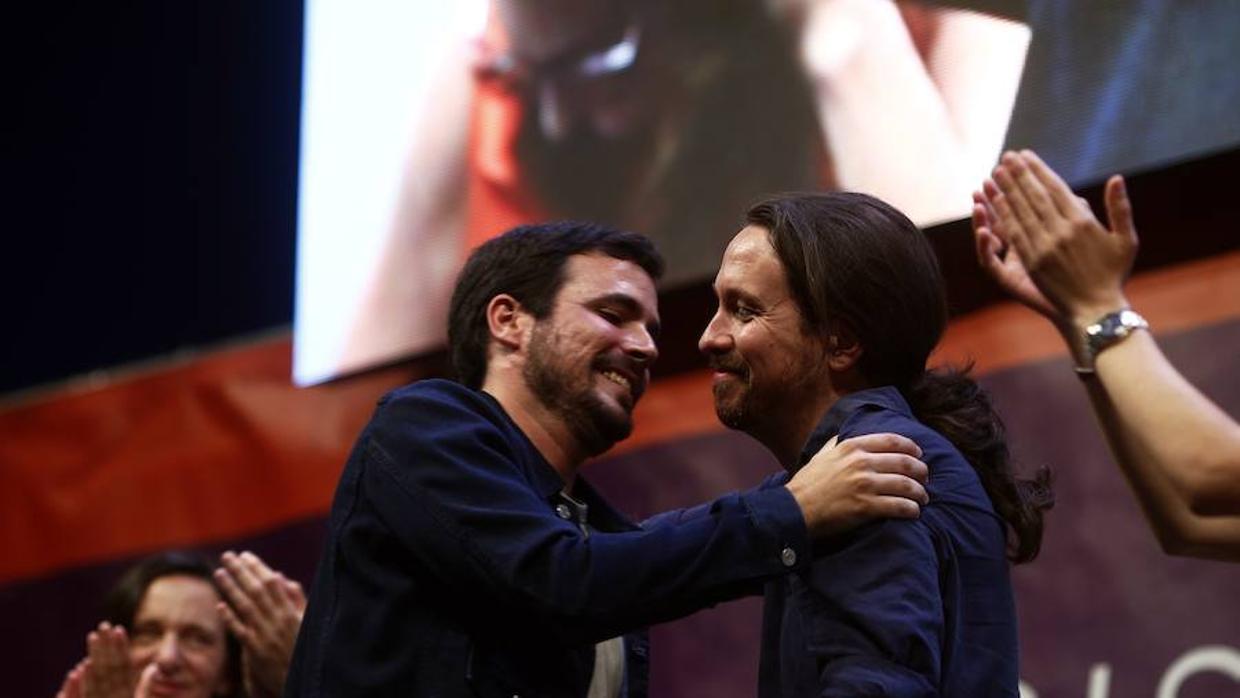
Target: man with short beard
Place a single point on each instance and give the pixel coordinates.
(829, 306)
(465, 557)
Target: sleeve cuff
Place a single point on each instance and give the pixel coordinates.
(776, 514)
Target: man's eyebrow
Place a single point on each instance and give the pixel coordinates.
(734, 295)
(630, 305)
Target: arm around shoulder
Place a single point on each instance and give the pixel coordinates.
(449, 480)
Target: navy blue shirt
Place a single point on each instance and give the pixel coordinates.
(897, 607)
(455, 566)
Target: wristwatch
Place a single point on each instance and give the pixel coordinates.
(1111, 328)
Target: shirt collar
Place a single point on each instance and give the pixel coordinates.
(884, 397)
(602, 516)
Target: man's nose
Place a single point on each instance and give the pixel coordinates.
(715, 339)
(640, 345)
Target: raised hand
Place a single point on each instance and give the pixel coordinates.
(264, 611)
(107, 669)
(72, 686)
(1077, 264)
(996, 256)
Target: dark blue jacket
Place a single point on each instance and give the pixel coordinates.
(448, 571)
(897, 607)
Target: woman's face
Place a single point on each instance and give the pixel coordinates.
(178, 629)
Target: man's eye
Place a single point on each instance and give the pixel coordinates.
(610, 316)
(744, 314)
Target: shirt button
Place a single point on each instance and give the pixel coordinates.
(562, 511)
(788, 556)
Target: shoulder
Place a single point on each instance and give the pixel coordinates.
(418, 415)
(952, 479)
(430, 391)
(874, 418)
(431, 401)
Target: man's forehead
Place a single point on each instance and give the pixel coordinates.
(750, 243)
(750, 264)
(595, 274)
(599, 268)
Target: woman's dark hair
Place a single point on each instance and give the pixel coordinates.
(527, 263)
(121, 603)
(855, 261)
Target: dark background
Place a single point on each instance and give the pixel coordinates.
(152, 167)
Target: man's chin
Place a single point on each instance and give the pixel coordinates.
(616, 425)
(603, 425)
(729, 407)
(730, 418)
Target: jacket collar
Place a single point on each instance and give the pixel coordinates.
(885, 397)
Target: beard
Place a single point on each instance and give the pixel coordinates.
(568, 392)
(733, 414)
(734, 399)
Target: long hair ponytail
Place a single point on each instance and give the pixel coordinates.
(953, 404)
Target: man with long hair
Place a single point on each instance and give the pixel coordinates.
(829, 306)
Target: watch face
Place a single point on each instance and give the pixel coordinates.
(1113, 327)
(1131, 321)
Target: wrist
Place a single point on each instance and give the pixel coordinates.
(1074, 339)
(1105, 331)
(1084, 314)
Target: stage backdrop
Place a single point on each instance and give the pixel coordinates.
(430, 127)
(222, 452)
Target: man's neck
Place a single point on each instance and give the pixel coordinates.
(549, 434)
(787, 436)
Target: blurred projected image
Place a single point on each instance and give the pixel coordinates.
(661, 117)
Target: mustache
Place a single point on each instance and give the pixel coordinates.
(729, 363)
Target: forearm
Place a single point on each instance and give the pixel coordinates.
(1172, 444)
(586, 588)
(642, 578)
(1180, 431)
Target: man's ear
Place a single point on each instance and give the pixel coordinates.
(843, 349)
(508, 322)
